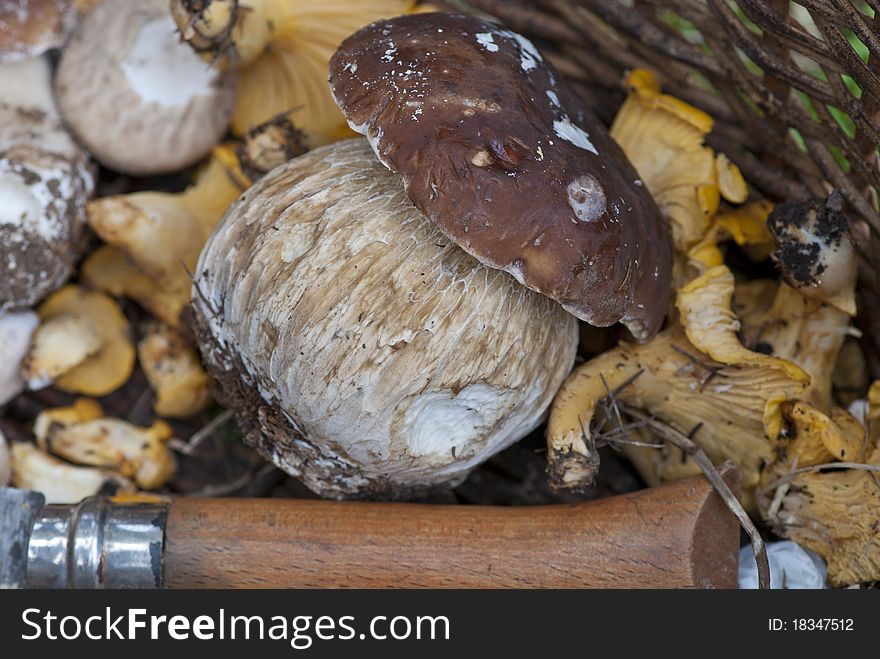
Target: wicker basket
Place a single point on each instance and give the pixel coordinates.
(794, 93)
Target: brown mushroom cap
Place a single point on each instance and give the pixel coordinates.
(497, 151)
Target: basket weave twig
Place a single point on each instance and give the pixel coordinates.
(795, 97)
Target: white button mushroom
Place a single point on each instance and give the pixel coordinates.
(361, 350)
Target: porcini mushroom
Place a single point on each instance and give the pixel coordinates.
(174, 371)
(663, 137)
(281, 50)
(82, 345)
(358, 348)
(138, 99)
(44, 183)
(78, 435)
(15, 339)
(497, 151)
(60, 482)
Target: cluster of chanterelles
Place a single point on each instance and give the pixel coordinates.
(744, 368)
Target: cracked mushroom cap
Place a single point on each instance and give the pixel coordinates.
(139, 100)
(497, 151)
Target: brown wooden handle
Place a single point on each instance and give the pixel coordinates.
(674, 536)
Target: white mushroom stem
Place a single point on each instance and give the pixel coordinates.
(44, 184)
(15, 338)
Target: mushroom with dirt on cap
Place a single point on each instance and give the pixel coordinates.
(815, 251)
(139, 100)
(496, 149)
(45, 181)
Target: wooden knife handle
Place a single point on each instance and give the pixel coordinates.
(679, 535)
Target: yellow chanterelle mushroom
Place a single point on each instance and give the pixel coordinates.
(82, 345)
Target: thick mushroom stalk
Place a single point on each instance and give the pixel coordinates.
(358, 348)
(139, 100)
(44, 184)
(281, 50)
(697, 378)
(499, 152)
